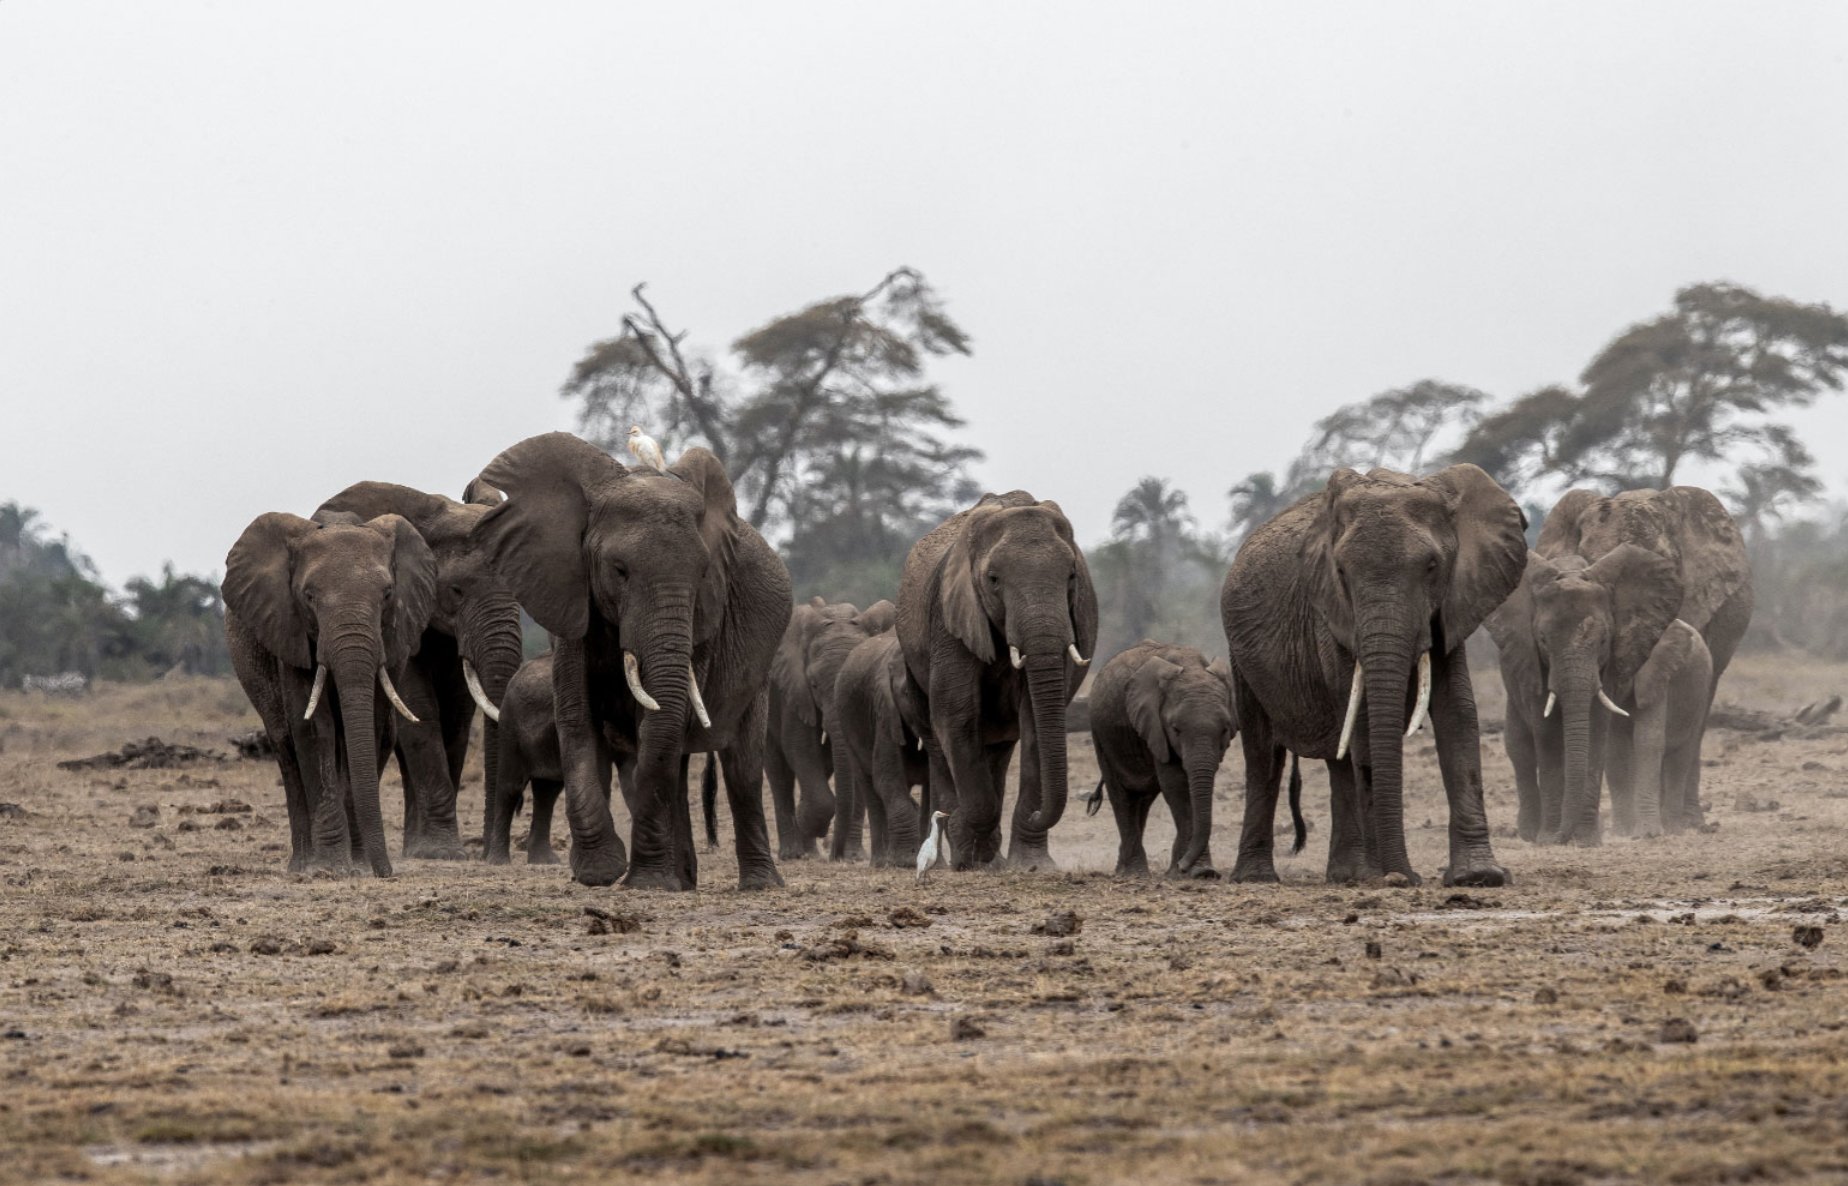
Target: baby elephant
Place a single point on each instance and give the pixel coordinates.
(529, 753)
(1673, 692)
(1161, 719)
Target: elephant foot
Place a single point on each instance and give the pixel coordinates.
(1134, 867)
(1030, 860)
(797, 852)
(436, 850)
(1578, 839)
(541, 856)
(655, 879)
(1199, 871)
(1352, 868)
(759, 877)
(1477, 874)
(337, 864)
(853, 854)
(1255, 870)
(596, 868)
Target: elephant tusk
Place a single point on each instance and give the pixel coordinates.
(1424, 695)
(474, 689)
(632, 670)
(1071, 648)
(1013, 653)
(1607, 702)
(314, 693)
(699, 702)
(391, 694)
(1548, 710)
(824, 737)
(1353, 714)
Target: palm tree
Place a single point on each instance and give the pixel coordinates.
(1255, 502)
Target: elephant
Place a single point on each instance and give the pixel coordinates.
(1346, 617)
(468, 653)
(879, 723)
(1687, 527)
(997, 619)
(797, 750)
(304, 600)
(531, 756)
(665, 609)
(1161, 720)
(1674, 693)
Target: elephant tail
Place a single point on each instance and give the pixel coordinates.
(1296, 804)
(1095, 799)
(709, 799)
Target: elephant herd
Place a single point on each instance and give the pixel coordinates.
(376, 627)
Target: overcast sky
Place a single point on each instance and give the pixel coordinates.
(252, 252)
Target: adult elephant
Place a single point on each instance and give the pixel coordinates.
(306, 600)
(1346, 617)
(665, 609)
(997, 619)
(798, 753)
(1697, 540)
(467, 655)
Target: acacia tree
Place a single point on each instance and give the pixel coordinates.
(827, 423)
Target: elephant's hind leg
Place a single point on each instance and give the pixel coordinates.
(539, 840)
(1263, 779)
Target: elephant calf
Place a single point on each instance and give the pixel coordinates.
(1161, 719)
(1673, 694)
(879, 725)
(529, 753)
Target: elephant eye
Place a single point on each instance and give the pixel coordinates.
(387, 593)
(994, 580)
(455, 590)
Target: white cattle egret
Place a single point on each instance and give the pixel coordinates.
(933, 844)
(643, 448)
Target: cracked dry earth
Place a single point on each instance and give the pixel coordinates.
(177, 1007)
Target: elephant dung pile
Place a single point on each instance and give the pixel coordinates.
(151, 754)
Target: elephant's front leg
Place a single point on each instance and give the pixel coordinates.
(1649, 743)
(1621, 772)
(332, 838)
(891, 786)
(1459, 758)
(1350, 861)
(597, 853)
(743, 764)
(423, 762)
(1518, 736)
(1178, 794)
(1550, 772)
(847, 842)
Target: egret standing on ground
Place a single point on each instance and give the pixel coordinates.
(643, 448)
(933, 844)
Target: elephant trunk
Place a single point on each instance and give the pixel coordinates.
(1579, 816)
(492, 643)
(356, 669)
(663, 646)
(1201, 762)
(1386, 657)
(1046, 696)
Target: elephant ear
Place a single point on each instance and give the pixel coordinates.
(1512, 624)
(961, 602)
(1713, 563)
(259, 573)
(1143, 698)
(413, 578)
(888, 695)
(369, 500)
(877, 618)
(479, 493)
(1559, 535)
(719, 526)
(535, 538)
(1081, 598)
(1681, 647)
(1491, 549)
(1223, 669)
(1646, 594)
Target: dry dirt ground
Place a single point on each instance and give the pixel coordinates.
(177, 1007)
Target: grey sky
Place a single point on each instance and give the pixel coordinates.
(251, 252)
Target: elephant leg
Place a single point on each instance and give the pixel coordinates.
(686, 855)
(597, 853)
(1550, 770)
(743, 765)
(1459, 759)
(1681, 782)
(789, 843)
(846, 842)
(423, 763)
(709, 800)
(972, 802)
(539, 841)
(1025, 849)
(861, 788)
(1263, 779)
(457, 710)
(814, 800)
(1620, 763)
(1349, 859)
(988, 845)
(1518, 736)
(1131, 860)
(263, 682)
(891, 789)
(1176, 793)
(332, 847)
(1648, 750)
(504, 804)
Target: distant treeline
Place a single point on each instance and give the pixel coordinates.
(843, 452)
(56, 615)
